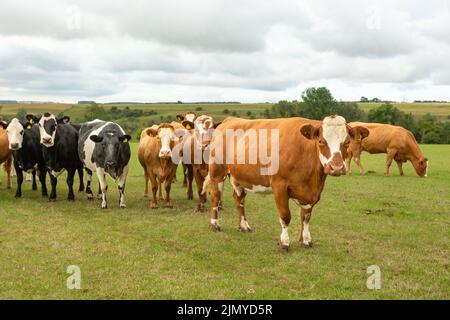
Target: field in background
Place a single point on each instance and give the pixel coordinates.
(77, 112)
(399, 223)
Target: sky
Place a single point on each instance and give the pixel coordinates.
(219, 50)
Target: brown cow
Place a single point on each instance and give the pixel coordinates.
(195, 148)
(398, 143)
(5, 153)
(188, 116)
(307, 151)
(155, 155)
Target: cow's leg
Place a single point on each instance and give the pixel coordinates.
(54, 182)
(305, 216)
(89, 193)
(282, 202)
(400, 167)
(389, 158)
(8, 168)
(190, 177)
(121, 187)
(103, 186)
(80, 176)
(167, 185)
(221, 188)
(348, 161)
(357, 160)
(160, 196)
(184, 175)
(154, 183)
(34, 184)
(28, 177)
(199, 179)
(42, 176)
(146, 177)
(239, 201)
(19, 174)
(215, 199)
(99, 194)
(70, 179)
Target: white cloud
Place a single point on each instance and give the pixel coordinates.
(221, 50)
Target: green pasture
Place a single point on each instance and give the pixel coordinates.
(400, 224)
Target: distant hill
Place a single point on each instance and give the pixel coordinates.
(8, 102)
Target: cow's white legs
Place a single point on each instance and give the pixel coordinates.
(103, 186)
(121, 186)
(305, 235)
(284, 237)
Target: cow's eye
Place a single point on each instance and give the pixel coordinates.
(322, 142)
(21, 132)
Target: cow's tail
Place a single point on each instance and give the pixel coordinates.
(206, 183)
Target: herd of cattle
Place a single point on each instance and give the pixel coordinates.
(308, 151)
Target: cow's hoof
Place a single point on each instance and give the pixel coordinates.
(145, 195)
(283, 247)
(104, 206)
(200, 209)
(18, 195)
(122, 206)
(307, 245)
(99, 197)
(190, 197)
(168, 205)
(51, 200)
(215, 227)
(90, 196)
(154, 206)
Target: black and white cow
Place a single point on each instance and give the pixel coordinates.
(60, 141)
(103, 148)
(24, 143)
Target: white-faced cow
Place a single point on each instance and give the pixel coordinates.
(187, 170)
(155, 156)
(307, 151)
(60, 141)
(27, 153)
(195, 152)
(104, 149)
(5, 153)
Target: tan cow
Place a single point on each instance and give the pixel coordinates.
(398, 143)
(155, 155)
(303, 152)
(195, 151)
(5, 153)
(187, 170)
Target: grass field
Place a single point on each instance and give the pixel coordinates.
(399, 223)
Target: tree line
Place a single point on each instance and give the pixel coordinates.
(318, 103)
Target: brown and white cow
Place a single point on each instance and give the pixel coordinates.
(155, 155)
(188, 116)
(307, 151)
(195, 154)
(398, 143)
(5, 153)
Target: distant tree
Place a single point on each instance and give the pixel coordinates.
(319, 102)
(198, 109)
(226, 111)
(385, 113)
(21, 113)
(248, 113)
(179, 102)
(363, 99)
(95, 111)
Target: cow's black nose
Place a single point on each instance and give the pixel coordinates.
(110, 163)
(14, 145)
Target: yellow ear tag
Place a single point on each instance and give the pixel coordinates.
(188, 126)
(125, 140)
(31, 120)
(358, 138)
(29, 126)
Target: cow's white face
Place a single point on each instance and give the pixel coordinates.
(190, 116)
(15, 132)
(47, 129)
(335, 137)
(166, 134)
(204, 126)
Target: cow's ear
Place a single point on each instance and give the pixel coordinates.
(64, 119)
(358, 133)
(188, 124)
(96, 138)
(216, 125)
(180, 117)
(152, 132)
(3, 124)
(310, 132)
(125, 138)
(32, 118)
